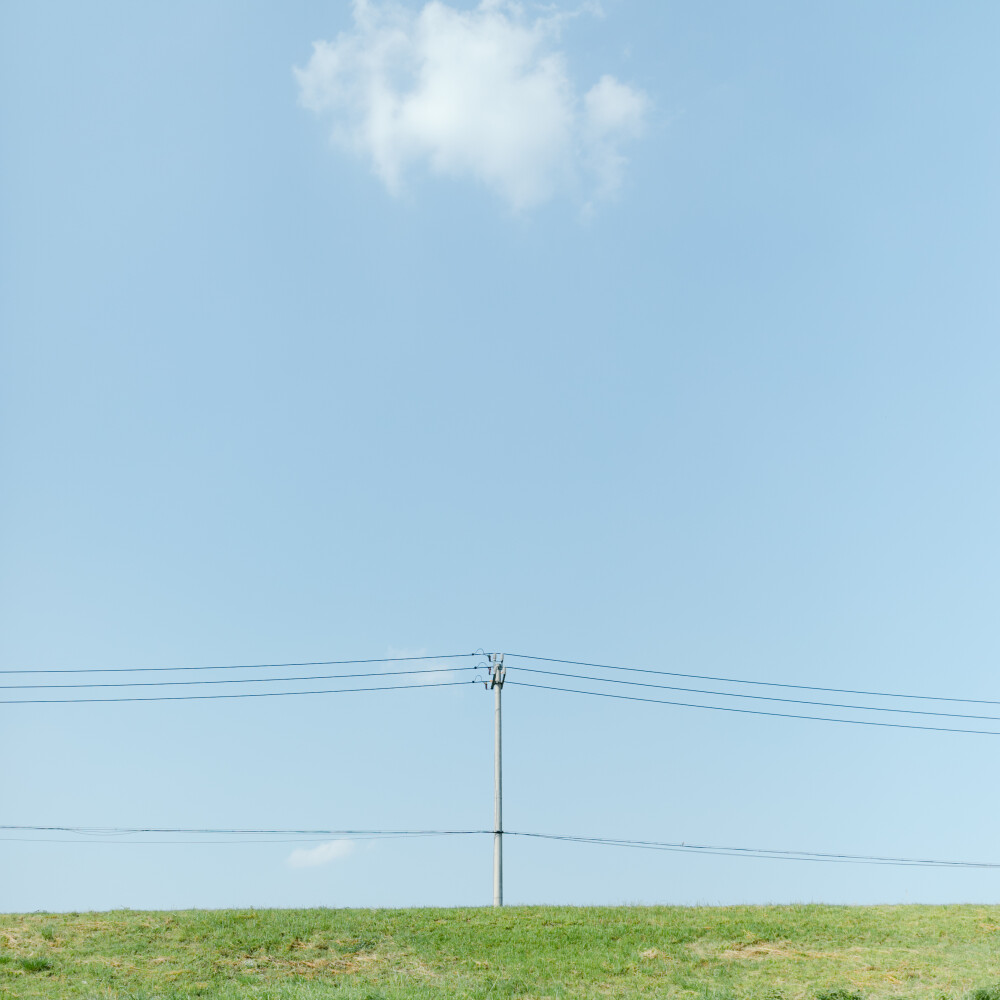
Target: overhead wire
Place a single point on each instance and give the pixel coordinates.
(742, 680)
(761, 853)
(231, 680)
(522, 656)
(754, 711)
(239, 666)
(99, 835)
(118, 836)
(756, 697)
(226, 831)
(235, 694)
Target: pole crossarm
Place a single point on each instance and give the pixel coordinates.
(496, 671)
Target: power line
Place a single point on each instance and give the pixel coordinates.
(752, 711)
(214, 841)
(242, 666)
(740, 680)
(522, 656)
(100, 835)
(230, 680)
(117, 836)
(240, 694)
(757, 697)
(231, 831)
(762, 853)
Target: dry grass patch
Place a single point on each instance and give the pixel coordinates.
(762, 950)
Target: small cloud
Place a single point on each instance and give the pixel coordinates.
(482, 94)
(432, 671)
(321, 854)
(615, 113)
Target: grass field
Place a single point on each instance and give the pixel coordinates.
(816, 952)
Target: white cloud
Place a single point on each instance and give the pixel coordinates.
(438, 671)
(614, 112)
(321, 854)
(482, 94)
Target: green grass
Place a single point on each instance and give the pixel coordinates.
(726, 953)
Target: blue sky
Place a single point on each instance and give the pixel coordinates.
(701, 376)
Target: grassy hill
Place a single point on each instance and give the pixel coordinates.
(771, 953)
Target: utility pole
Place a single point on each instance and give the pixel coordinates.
(497, 675)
